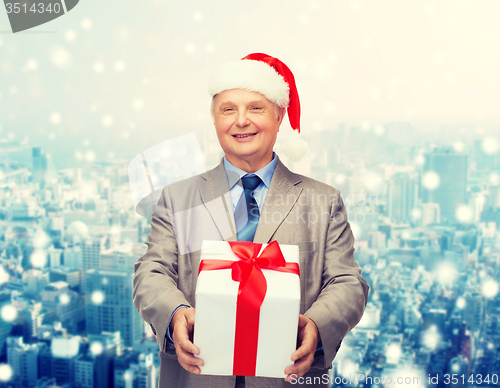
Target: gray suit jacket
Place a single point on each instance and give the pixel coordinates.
(297, 210)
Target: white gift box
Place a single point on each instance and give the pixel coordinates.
(215, 319)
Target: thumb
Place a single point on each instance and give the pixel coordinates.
(303, 320)
(190, 316)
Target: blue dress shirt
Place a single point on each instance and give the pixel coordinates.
(234, 175)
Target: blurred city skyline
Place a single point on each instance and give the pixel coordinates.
(399, 108)
(115, 79)
(425, 219)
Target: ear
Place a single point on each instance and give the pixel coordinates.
(281, 115)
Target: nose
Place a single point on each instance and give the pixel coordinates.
(242, 118)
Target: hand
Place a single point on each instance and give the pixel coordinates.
(304, 356)
(182, 326)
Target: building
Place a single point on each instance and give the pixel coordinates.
(109, 305)
(71, 276)
(402, 196)
(33, 317)
(91, 251)
(135, 369)
(484, 161)
(67, 306)
(84, 371)
(122, 258)
(376, 240)
(5, 326)
(23, 359)
(39, 165)
(73, 257)
(450, 193)
(36, 280)
(430, 214)
(64, 352)
(54, 256)
(95, 368)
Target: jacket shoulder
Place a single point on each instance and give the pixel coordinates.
(310, 183)
(184, 184)
(318, 185)
(192, 182)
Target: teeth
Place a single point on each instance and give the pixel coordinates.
(244, 135)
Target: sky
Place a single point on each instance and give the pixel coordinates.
(119, 77)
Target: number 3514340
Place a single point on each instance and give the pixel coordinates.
(33, 7)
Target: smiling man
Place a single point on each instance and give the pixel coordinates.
(247, 125)
(250, 196)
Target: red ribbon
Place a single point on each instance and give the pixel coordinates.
(251, 293)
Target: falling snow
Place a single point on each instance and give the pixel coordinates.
(8, 313)
(464, 214)
(86, 24)
(430, 180)
(60, 57)
(5, 372)
(97, 297)
(489, 288)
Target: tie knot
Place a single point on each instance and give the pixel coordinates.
(250, 182)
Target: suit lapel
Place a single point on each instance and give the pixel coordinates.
(215, 195)
(283, 192)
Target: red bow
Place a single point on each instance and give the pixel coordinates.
(251, 293)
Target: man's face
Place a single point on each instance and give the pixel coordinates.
(247, 127)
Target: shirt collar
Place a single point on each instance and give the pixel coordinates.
(234, 174)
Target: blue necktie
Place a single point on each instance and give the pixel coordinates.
(247, 232)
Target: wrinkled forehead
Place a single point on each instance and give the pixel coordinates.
(240, 96)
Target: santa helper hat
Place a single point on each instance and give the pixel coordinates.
(270, 77)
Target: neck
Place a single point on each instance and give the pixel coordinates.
(250, 166)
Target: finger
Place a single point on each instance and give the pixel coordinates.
(300, 367)
(190, 327)
(307, 347)
(190, 315)
(309, 341)
(295, 374)
(303, 320)
(181, 337)
(188, 358)
(186, 344)
(291, 377)
(190, 368)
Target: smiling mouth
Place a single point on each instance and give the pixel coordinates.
(245, 135)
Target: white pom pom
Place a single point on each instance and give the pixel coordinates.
(295, 148)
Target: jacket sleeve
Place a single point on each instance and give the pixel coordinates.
(155, 291)
(344, 293)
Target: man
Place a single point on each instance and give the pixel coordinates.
(250, 196)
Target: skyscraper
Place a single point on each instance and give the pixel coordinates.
(403, 191)
(64, 352)
(94, 368)
(23, 359)
(39, 164)
(451, 180)
(484, 161)
(110, 307)
(135, 370)
(5, 326)
(91, 251)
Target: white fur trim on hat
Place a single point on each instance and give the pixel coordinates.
(255, 76)
(295, 148)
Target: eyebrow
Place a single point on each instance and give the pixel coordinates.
(249, 103)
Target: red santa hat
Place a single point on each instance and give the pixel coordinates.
(263, 74)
